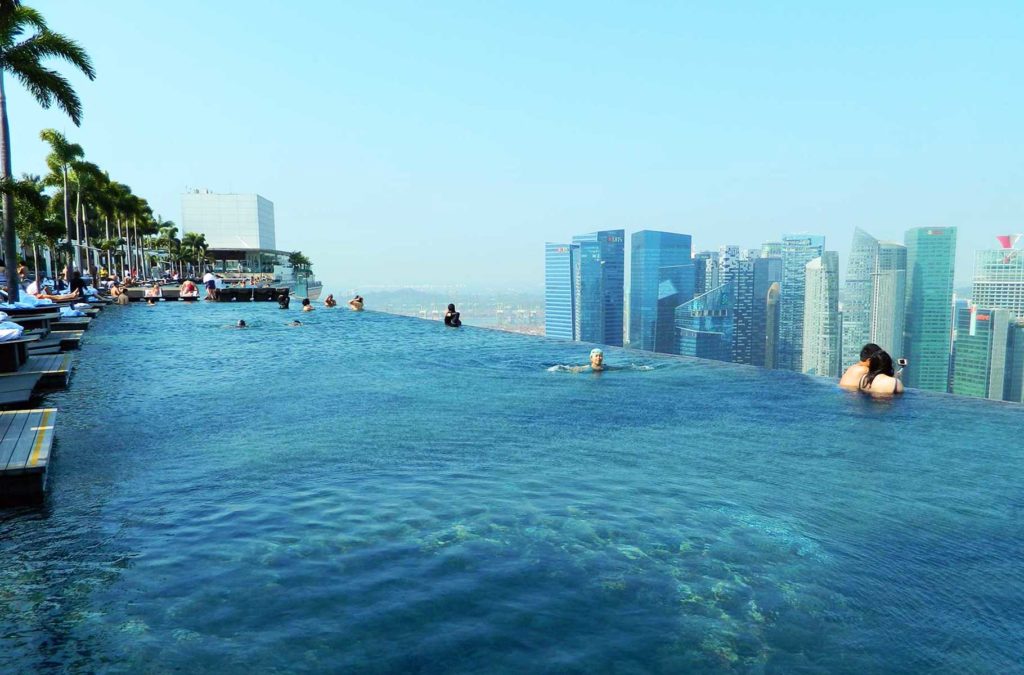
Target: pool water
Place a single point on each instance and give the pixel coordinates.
(382, 494)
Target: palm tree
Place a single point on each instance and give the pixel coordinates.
(89, 183)
(168, 238)
(26, 43)
(63, 154)
(195, 244)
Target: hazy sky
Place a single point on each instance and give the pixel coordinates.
(444, 143)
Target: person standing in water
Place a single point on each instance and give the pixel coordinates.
(356, 303)
(306, 306)
(284, 300)
(451, 317)
(330, 301)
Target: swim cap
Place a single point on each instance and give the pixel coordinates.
(596, 352)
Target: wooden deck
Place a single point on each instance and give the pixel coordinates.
(54, 370)
(17, 389)
(26, 437)
(71, 323)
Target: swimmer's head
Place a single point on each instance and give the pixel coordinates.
(596, 359)
(241, 323)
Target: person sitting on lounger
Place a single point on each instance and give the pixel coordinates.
(154, 292)
(77, 286)
(188, 289)
(330, 301)
(46, 294)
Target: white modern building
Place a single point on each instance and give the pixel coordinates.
(230, 221)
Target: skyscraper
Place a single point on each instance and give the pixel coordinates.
(764, 329)
(771, 346)
(980, 358)
(704, 325)
(599, 278)
(931, 254)
(745, 340)
(797, 251)
(661, 279)
(888, 297)
(999, 280)
(559, 291)
(821, 316)
(771, 249)
(856, 295)
(705, 272)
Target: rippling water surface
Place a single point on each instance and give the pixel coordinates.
(375, 493)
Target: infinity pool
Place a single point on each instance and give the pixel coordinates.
(374, 493)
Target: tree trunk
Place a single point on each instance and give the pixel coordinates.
(10, 247)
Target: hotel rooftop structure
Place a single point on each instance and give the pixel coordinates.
(239, 229)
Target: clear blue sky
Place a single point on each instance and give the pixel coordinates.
(415, 143)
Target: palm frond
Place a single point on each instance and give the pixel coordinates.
(48, 86)
(47, 44)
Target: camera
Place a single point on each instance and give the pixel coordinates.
(902, 363)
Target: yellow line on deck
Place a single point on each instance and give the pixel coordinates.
(38, 446)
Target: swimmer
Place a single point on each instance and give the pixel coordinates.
(240, 324)
(356, 303)
(306, 307)
(296, 322)
(596, 364)
(855, 373)
(451, 317)
(330, 301)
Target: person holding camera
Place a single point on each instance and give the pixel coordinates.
(881, 379)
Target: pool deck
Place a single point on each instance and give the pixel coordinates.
(26, 437)
(30, 366)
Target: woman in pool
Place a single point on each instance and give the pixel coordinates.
(330, 301)
(881, 380)
(188, 289)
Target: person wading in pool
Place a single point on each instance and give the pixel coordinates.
(451, 317)
(852, 377)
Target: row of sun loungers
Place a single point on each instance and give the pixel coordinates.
(31, 365)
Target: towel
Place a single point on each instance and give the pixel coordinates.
(68, 312)
(10, 331)
(81, 305)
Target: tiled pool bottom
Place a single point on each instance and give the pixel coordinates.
(382, 494)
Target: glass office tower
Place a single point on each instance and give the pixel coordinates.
(704, 325)
(745, 341)
(559, 291)
(980, 359)
(821, 316)
(797, 251)
(856, 295)
(931, 255)
(888, 297)
(599, 277)
(764, 326)
(661, 279)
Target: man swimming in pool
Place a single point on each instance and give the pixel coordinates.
(596, 364)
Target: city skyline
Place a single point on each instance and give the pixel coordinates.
(720, 123)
